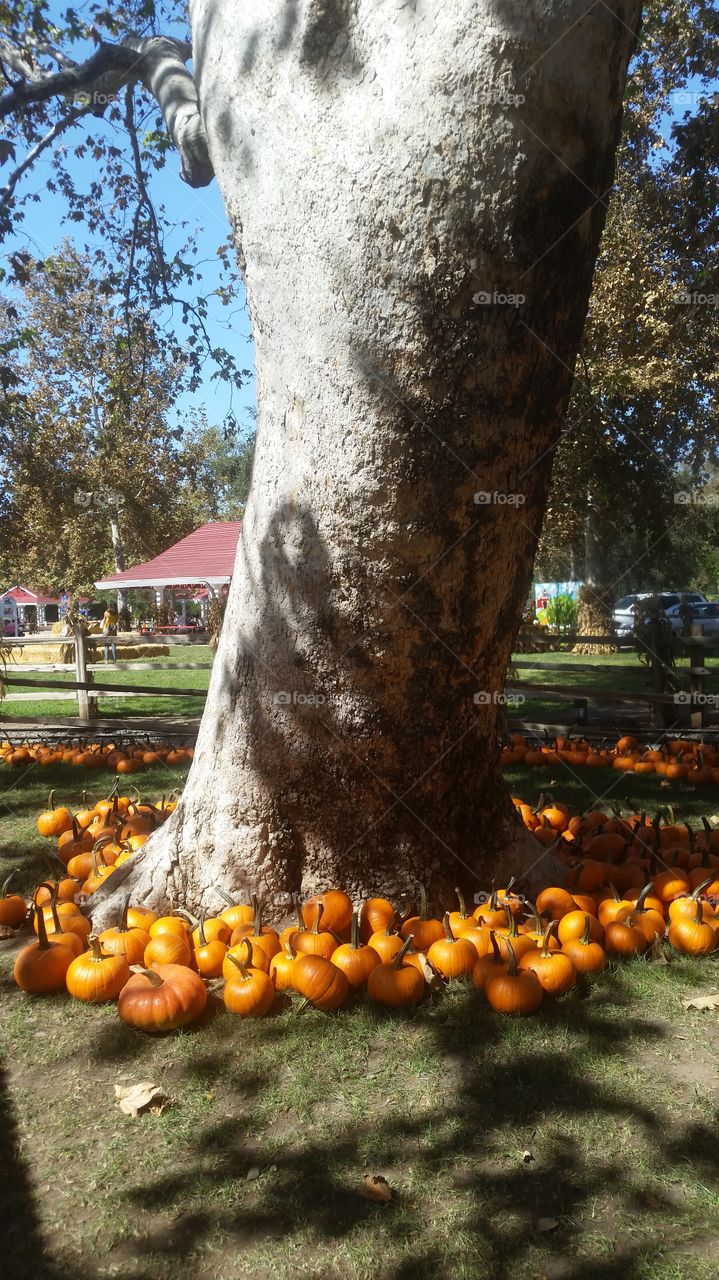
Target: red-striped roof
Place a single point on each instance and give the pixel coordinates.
(207, 555)
(23, 595)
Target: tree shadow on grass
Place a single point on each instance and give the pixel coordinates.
(454, 1157)
(24, 1250)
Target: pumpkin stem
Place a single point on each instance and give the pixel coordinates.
(404, 911)
(639, 905)
(53, 908)
(399, 958)
(462, 903)
(585, 932)
(496, 953)
(154, 977)
(201, 927)
(46, 884)
(511, 922)
(318, 917)
(447, 931)
(3, 890)
(43, 943)
(538, 926)
(701, 887)
(511, 959)
(354, 931)
(51, 800)
(553, 924)
(239, 964)
(225, 897)
(257, 921)
(96, 948)
(699, 915)
(122, 927)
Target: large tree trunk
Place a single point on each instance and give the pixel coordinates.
(386, 198)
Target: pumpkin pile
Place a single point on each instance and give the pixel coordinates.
(633, 883)
(676, 759)
(93, 841)
(94, 755)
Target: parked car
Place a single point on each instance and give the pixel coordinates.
(624, 609)
(707, 614)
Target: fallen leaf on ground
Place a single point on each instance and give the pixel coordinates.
(136, 1099)
(547, 1224)
(429, 973)
(375, 1187)
(703, 1002)
(656, 953)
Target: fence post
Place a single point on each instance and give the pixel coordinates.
(659, 709)
(696, 675)
(86, 702)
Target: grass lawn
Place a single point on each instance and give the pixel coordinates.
(583, 788)
(256, 1168)
(601, 672)
(118, 708)
(598, 1115)
(24, 793)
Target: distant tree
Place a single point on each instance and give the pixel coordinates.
(222, 463)
(644, 404)
(96, 471)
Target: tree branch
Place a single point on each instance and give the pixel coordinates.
(64, 123)
(157, 62)
(108, 60)
(163, 72)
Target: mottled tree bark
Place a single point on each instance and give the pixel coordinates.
(416, 194)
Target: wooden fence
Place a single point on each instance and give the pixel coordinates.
(84, 687)
(661, 700)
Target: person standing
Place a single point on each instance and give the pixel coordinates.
(109, 631)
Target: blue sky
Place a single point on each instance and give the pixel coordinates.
(45, 226)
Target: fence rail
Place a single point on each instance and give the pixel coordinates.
(84, 687)
(661, 698)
